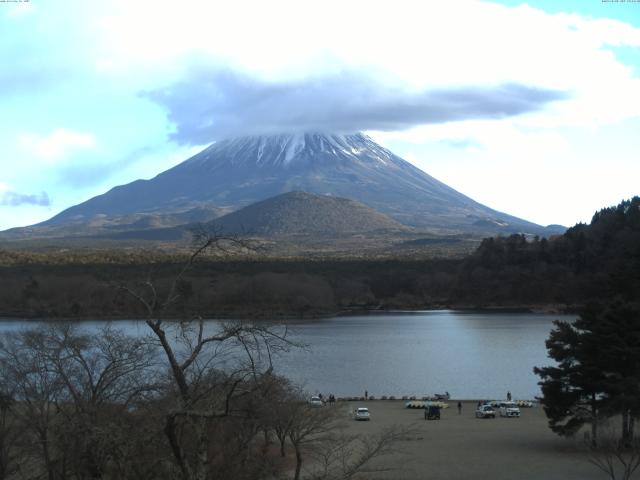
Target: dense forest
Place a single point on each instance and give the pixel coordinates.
(586, 263)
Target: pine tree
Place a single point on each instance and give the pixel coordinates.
(598, 370)
(573, 390)
(617, 325)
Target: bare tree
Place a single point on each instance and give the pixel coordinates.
(618, 458)
(74, 393)
(195, 354)
(10, 434)
(319, 434)
(189, 400)
(37, 390)
(309, 427)
(102, 376)
(282, 408)
(342, 456)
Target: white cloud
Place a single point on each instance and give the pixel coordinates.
(406, 46)
(19, 9)
(57, 145)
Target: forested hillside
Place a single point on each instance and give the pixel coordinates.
(588, 262)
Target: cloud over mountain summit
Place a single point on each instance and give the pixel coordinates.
(209, 104)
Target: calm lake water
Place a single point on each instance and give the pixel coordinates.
(470, 355)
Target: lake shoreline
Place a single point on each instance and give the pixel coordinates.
(559, 309)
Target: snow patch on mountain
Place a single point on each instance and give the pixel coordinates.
(288, 150)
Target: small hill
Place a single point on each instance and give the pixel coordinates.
(301, 213)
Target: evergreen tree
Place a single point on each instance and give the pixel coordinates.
(598, 370)
(617, 326)
(573, 390)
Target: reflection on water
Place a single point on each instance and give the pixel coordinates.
(470, 355)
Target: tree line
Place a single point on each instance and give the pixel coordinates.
(595, 261)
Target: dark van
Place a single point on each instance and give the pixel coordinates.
(433, 412)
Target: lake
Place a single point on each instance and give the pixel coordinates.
(472, 355)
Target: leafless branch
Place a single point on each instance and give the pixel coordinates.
(616, 458)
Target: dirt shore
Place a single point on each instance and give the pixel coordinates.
(462, 447)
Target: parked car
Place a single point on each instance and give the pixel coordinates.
(485, 411)
(315, 402)
(509, 409)
(361, 413)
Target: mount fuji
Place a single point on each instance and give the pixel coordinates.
(234, 173)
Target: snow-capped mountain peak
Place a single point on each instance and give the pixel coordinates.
(234, 173)
(291, 149)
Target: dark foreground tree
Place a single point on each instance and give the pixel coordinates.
(617, 326)
(10, 435)
(572, 391)
(598, 370)
(71, 398)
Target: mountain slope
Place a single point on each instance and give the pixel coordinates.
(237, 172)
(103, 224)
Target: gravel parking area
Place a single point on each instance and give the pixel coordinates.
(462, 447)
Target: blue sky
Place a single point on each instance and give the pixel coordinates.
(624, 11)
(530, 108)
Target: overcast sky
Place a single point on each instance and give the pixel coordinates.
(529, 108)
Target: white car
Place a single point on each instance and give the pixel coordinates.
(315, 402)
(485, 411)
(361, 413)
(509, 409)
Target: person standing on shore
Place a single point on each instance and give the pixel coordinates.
(459, 408)
(366, 395)
(508, 396)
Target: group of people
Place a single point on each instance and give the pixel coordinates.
(331, 399)
(480, 403)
